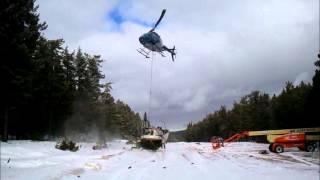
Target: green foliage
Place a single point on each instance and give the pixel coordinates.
(19, 34)
(94, 105)
(313, 100)
(256, 111)
(146, 122)
(289, 108)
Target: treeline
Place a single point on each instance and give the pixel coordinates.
(48, 90)
(295, 107)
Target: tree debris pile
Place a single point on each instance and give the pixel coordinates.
(99, 146)
(67, 145)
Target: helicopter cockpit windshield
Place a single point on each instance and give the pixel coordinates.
(151, 37)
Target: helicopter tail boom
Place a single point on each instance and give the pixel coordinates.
(171, 51)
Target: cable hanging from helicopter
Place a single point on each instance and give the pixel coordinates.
(151, 41)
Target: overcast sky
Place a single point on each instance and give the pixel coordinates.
(226, 49)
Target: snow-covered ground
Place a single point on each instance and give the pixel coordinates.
(179, 161)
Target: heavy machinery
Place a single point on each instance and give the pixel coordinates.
(154, 138)
(306, 139)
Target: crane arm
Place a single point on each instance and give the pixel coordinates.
(271, 133)
(237, 136)
(282, 131)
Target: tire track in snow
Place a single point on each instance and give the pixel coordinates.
(138, 167)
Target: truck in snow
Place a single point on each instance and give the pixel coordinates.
(154, 138)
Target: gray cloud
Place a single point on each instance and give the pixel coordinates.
(225, 49)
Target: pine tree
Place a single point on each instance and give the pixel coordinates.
(49, 87)
(146, 123)
(19, 34)
(81, 74)
(313, 101)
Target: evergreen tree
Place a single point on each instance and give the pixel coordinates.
(19, 34)
(313, 100)
(94, 76)
(146, 123)
(48, 87)
(255, 111)
(289, 106)
(81, 74)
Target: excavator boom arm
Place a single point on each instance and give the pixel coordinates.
(282, 131)
(237, 136)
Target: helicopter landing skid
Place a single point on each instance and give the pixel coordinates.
(144, 53)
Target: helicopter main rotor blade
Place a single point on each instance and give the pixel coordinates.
(161, 16)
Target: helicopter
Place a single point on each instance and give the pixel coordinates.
(152, 42)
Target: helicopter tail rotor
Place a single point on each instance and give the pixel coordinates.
(161, 16)
(173, 53)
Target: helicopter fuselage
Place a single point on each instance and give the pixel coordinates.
(152, 41)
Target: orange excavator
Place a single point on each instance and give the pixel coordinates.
(306, 139)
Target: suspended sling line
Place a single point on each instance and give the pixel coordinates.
(150, 90)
